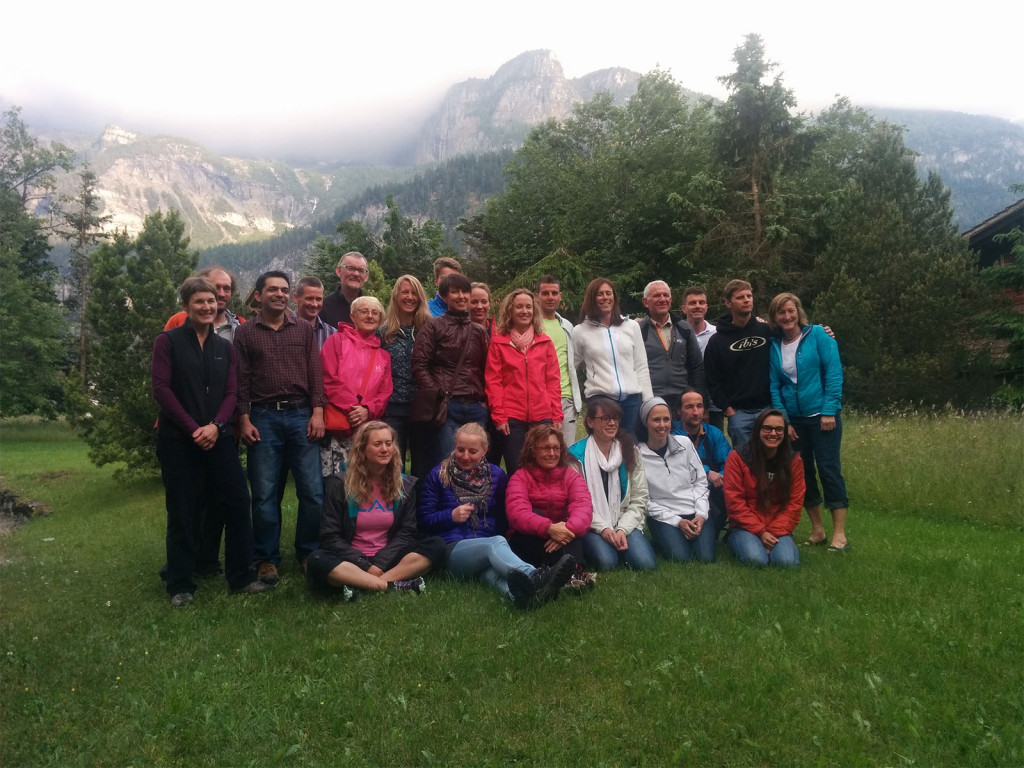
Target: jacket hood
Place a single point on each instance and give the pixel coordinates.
(349, 332)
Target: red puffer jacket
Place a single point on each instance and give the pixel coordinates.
(741, 498)
(536, 498)
(525, 387)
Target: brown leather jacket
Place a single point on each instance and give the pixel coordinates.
(436, 354)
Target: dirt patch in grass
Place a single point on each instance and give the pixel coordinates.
(15, 512)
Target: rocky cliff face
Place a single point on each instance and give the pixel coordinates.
(496, 113)
(223, 200)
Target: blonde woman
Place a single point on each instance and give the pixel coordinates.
(523, 380)
(368, 534)
(407, 313)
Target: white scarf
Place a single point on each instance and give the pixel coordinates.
(606, 508)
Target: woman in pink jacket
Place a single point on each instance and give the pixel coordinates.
(548, 504)
(522, 378)
(357, 378)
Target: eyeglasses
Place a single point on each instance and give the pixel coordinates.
(357, 270)
(367, 312)
(607, 419)
(767, 429)
(549, 449)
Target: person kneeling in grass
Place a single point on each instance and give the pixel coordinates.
(368, 535)
(463, 501)
(615, 477)
(677, 487)
(764, 491)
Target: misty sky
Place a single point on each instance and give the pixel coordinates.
(300, 77)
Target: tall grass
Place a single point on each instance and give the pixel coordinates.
(906, 651)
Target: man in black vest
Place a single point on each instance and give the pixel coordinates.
(674, 358)
(194, 381)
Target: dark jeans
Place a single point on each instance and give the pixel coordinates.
(822, 449)
(439, 442)
(531, 549)
(397, 417)
(190, 473)
(511, 445)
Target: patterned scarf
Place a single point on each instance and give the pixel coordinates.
(521, 341)
(472, 486)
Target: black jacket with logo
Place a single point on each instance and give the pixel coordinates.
(736, 364)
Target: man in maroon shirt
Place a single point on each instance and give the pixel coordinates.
(281, 418)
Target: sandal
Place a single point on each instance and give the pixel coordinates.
(813, 543)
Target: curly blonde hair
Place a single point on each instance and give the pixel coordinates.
(358, 483)
(505, 323)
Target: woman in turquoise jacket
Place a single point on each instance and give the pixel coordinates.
(807, 386)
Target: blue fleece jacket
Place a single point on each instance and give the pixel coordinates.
(819, 376)
(436, 502)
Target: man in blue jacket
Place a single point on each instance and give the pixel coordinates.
(712, 448)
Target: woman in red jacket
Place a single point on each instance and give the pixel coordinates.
(524, 383)
(547, 502)
(764, 491)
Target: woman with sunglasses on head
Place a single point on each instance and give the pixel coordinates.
(357, 379)
(764, 492)
(462, 500)
(611, 348)
(806, 383)
(615, 477)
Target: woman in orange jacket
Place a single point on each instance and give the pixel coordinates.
(522, 378)
(764, 492)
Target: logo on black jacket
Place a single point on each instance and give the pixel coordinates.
(747, 344)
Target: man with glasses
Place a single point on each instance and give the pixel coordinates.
(353, 273)
(281, 418)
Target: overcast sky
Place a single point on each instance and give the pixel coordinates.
(250, 77)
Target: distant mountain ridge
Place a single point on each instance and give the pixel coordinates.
(228, 200)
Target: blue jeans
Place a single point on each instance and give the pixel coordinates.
(283, 441)
(488, 559)
(673, 545)
(821, 448)
(741, 424)
(602, 556)
(443, 441)
(749, 550)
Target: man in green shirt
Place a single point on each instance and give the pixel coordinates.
(549, 298)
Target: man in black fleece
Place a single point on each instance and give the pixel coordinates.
(736, 362)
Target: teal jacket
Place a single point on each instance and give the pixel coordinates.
(819, 376)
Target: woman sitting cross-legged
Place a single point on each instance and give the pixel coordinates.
(368, 533)
(463, 501)
(548, 505)
(678, 489)
(615, 477)
(764, 491)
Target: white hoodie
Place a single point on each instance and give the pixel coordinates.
(614, 358)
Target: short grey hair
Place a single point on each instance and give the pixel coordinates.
(654, 284)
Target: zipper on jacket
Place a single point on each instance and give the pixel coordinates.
(615, 362)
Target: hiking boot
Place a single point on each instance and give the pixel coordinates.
(267, 573)
(417, 585)
(181, 600)
(521, 587)
(252, 588)
(555, 578)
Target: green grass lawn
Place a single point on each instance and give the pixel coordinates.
(906, 651)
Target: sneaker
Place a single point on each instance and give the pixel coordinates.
(417, 585)
(252, 588)
(267, 573)
(181, 600)
(580, 581)
(349, 594)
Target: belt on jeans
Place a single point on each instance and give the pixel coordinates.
(283, 405)
(466, 399)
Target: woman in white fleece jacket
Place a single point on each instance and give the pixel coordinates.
(677, 487)
(611, 349)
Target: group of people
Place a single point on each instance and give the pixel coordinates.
(341, 391)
